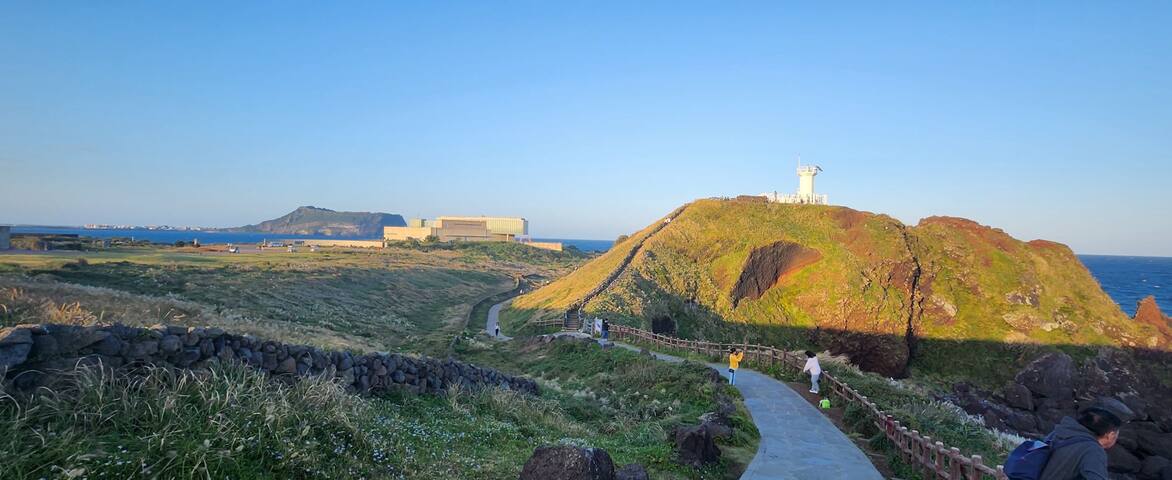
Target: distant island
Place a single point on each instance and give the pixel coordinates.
(310, 220)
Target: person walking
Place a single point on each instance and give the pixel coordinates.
(734, 360)
(1079, 446)
(605, 330)
(498, 330)
(815, 370)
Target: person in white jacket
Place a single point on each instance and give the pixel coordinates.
(815, 370)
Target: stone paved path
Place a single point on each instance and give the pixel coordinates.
(797, 441)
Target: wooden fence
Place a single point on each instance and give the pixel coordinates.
(933, 458)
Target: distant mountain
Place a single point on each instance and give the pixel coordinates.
(323, 221)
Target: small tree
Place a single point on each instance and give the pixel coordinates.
(620, 239)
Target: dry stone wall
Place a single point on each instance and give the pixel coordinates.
(30, 353)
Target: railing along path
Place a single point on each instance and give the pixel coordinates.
(934, 459)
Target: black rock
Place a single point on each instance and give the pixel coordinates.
(568, 463)
(695, 446)
(1120, 460)
(632, 471)
(1050, 376)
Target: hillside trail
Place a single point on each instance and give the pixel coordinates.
(576, 307)
(797, 441)
(493, 321)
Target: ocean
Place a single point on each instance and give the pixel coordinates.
(1129, 279)
(211, 238)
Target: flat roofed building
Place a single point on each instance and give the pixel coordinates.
(398, 234)
(467, 229)
(515, 226)
(448, 229)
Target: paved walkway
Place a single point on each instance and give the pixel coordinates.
(797, 441)
(494, 314)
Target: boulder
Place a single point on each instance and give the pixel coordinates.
(110, 345)
(287, 366)
(1122, 461)
(1155, 443)
(1115, 406)
(170, 344)
(1152, 466)
(1050, 376)
(632, 471)
(1018, 396)
(72, 338)
(15, 345)
(695, 446)
(566, 462)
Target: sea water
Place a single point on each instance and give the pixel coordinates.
(213, 237)
(1129, 279)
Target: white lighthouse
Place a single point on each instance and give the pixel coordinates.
(806, 174)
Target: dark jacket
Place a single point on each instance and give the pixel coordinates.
(1082, 460)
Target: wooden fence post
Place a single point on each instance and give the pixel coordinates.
(975, 473)
(954, 463)
(939, 449)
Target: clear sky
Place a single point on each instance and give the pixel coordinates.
(1049, 120)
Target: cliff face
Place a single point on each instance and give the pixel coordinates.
(1148, 313)
(854, 282)
(322, 221)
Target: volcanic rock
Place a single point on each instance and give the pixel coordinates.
(632, 471)
(695, 446)
(567, 462)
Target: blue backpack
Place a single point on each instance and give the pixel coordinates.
(1028, 460)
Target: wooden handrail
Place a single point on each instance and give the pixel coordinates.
(934, 458)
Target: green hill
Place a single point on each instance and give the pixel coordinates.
(321, 221)
(853, 282)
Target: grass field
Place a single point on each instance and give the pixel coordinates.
(231, 422)
(360, 300)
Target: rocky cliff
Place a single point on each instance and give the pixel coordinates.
(321, 221)
(856, 283)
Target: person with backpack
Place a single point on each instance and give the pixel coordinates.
(1075, 450)
(815, 370)
(734, 360)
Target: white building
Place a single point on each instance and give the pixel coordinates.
(805, 193)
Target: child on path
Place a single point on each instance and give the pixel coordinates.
(734, 361)
(815, 370)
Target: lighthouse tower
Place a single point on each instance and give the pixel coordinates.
(806, 174)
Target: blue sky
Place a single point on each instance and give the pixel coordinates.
(1049, 120)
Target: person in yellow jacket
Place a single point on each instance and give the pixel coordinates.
(734, 360)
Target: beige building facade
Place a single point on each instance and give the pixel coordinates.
(465, 229)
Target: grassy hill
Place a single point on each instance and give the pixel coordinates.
(853, 282)
(322, 221)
